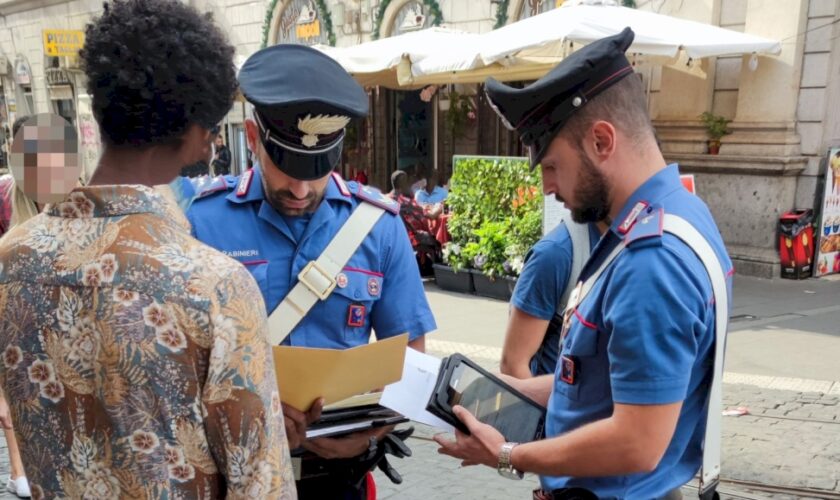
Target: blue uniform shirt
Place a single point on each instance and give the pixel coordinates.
(644, 335)
(438, 195)
(540, 287)
(382, 289)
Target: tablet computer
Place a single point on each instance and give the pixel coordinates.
(492, 401)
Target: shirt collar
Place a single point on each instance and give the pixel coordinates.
(255, 189)
(654, 189)
(109, 201)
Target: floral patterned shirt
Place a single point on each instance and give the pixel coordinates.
(135, 358)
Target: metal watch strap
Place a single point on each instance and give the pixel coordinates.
(505, 466)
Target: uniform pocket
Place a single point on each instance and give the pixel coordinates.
(591, 372)
(359, 290)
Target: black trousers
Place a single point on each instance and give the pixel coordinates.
(327, 488)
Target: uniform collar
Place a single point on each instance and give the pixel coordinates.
(337, 188)
(252, 182)
(654, 189)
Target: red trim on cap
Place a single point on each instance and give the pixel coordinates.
(339, 182)
(608, 79)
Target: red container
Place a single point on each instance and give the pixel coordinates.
(796, 243)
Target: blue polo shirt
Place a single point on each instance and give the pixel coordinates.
(644, 335)
(437, 195)
(541, 285)
(379, 289)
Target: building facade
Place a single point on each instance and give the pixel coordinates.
(783, 108)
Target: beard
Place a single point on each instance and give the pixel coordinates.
(591, 194)
(280, 199)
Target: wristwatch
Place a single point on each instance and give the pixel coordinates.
(505, 468)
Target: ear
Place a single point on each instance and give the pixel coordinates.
(252, 134)
(603, 139)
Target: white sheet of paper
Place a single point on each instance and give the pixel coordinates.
(410, 395)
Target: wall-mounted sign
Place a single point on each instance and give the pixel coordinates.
(300, 23)
(410, 17)
(63, 42)
(23, 73)
(828, 250)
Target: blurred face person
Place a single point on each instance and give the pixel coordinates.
(44, 159)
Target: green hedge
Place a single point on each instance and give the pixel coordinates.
(496, 205)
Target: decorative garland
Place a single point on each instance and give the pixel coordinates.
(501, 14)
(322, 9)
(434, 11)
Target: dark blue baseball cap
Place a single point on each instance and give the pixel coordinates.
(539, 111)
(303, 99)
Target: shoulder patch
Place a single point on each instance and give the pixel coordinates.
(341, 185)
(628, 221)
(648, 226)
(205, 186)
(375, 197)
(244, 183)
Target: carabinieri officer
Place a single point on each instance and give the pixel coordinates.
(332, 258)
(633, 408)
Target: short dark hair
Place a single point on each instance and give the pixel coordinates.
(18, 124)
(154, 68)
(395, 178)
(623, 104)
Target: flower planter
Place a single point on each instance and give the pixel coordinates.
(448, 279)
(714, 147)
(499, 288)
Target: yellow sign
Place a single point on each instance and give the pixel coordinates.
(63, 42)
(309, 30)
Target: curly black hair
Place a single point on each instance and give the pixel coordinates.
(154, 68)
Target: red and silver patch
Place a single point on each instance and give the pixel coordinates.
(244, 183)
(373, 287)
(356, 315)
(341, 280)
(628, 221)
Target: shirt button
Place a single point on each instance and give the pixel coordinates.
(357, 294)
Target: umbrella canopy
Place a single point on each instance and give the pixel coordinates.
(378, 62)
(536, 44)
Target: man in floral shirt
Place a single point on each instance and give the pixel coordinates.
(134, 357)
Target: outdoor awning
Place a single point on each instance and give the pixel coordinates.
(527, 49)
(540, 42)
(379, 62)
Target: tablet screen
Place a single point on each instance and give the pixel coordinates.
(518, 420)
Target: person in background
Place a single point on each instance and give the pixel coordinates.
(532, 339)
(134, 357)
(432, 194)
(222, 158)
(419, 178)
(15, 208)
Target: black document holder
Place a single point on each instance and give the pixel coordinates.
(519, 419)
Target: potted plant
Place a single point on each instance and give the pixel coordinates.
(453, 275)
(458, 113)
(716, 127)
(496, 208)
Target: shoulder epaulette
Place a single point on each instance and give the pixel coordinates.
(647, 227)
(374, 197)
(205, 186)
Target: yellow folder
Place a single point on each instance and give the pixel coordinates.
(304, 374)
